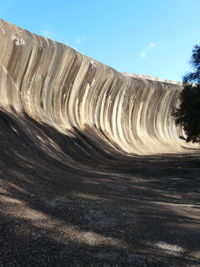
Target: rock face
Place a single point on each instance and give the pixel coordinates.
(56, 85)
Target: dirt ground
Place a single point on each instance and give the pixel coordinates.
(67, 202)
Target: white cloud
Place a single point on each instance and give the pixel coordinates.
(143, 53)
(80, 39)
(151, 45)
(47, 33)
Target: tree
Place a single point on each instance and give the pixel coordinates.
(187, 114)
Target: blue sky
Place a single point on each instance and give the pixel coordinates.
(152, 37)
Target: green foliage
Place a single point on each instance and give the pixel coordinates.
(187, 114)
(194, 77)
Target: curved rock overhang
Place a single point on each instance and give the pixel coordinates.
(56, 85)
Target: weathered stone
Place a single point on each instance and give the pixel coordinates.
(56, 85)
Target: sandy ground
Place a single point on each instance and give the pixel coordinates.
(66, 202)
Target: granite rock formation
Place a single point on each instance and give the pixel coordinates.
(93, 171)
(56, 85)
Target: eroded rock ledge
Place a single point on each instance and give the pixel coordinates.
(55, 84)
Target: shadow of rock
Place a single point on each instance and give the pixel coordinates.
(67, 202)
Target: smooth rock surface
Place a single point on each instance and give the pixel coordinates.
(55, 84)
(84, 175)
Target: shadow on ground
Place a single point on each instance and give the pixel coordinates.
(70, 201)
